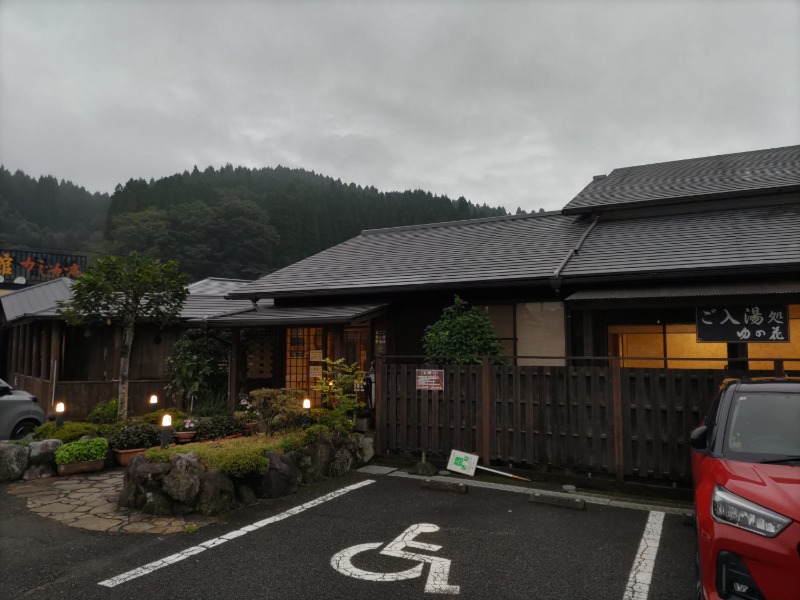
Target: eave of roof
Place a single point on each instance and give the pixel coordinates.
(271, 315)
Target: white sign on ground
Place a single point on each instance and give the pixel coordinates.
(462, 462)
(437, 576)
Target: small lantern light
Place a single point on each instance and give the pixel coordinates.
(166, 430)
(307, 405)
(153, 399)
(59, 415)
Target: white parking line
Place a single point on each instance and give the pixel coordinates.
(154, 566)
(642, 571)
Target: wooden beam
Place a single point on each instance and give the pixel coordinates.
(616, 386)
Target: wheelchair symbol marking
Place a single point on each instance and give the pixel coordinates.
(439, 567)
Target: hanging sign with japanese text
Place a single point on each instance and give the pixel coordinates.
(430, 379)
(22, 266)
(743, 324)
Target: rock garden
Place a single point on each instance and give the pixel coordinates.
(267, 449)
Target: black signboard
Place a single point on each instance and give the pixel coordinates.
(743, 324)
(23, 266)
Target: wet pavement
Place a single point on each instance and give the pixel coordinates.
(90, 502)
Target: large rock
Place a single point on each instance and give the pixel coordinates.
(143, 478)
(42, 471)
(315, 464)
(44, 452)
(281, 478)
(364, 447)
(13, 461)
(341, 463)
(155, 502)
(217, 493)
(182, 483)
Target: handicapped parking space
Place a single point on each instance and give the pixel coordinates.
(389, 538)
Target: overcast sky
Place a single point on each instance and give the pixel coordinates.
(505, 103)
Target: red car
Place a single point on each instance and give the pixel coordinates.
(746, 468)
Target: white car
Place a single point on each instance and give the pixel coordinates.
(20, 413)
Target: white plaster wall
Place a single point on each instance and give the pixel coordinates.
(540, 332)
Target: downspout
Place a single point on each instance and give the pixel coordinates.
(555, 282)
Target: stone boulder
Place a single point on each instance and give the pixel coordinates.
(217, 493)
(341, 463)
(142, 484)
(182, 483)
(282, 477)
(13, 461)
(312, 461)
(364, 448)
(44, 452)
(42, 471)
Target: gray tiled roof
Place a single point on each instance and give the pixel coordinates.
(203, 306)
(268, 314)
(215, 286)
(743, 173)
(700, 290)
(37, 300)
(745, 238)
(514, 248)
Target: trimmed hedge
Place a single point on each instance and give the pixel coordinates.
(82, 450)
(71, 431)
(236, 458)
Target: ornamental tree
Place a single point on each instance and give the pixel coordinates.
(463, 335)
(126, 291)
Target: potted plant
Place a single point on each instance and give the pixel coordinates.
(81, 456)
(184, 430)
(133, 438)
(248, 416)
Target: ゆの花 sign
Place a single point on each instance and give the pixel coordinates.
(760, 323)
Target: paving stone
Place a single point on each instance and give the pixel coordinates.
(63, 517)
(108, 508)
(93, 523)
(171, 530)
(55, 507)
(141, 527)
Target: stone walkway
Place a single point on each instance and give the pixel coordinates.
(90, 502)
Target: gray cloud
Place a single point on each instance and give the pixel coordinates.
(508, 103)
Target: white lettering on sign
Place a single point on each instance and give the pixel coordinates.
(437, 576)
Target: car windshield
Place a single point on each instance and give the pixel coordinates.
(763, 426)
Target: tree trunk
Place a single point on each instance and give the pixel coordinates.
(124, 362)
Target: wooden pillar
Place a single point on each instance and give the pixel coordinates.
(485, 411)
(233, 368)
(15, 349)
(380, 409)
(44, 344)
(36, 355)
(27, 349)
(616, 392)
(55, 358)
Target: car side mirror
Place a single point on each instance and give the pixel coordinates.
(699, 438)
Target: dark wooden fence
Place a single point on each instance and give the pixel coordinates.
(80, 397)
(605, 419)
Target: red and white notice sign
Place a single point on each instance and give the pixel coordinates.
(430, 379)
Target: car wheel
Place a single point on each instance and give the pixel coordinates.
(22, 429)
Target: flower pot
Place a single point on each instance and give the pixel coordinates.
(124, 456)
(85, 466)
(184, 437)
(362, 424)
(250, 427)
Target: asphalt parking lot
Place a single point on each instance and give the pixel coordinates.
(386, 537)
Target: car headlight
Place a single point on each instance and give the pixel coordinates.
(735, 510)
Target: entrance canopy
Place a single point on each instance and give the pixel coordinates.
(686, 291)
(266, 314)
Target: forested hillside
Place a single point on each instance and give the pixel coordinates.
(230, 222)
(47, 213)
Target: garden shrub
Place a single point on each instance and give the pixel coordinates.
(277, 407)
(103, 413)
(337, 421)
(316, 432)
(135, 434)
(82, 450)
(291, 441)
(236, 458)
(217, 427)
(70, 431)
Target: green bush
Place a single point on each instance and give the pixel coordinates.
(103, 413)
(316, 432)
(82, 450)
(291, 441)
(337, 421)
(70, 431)
(237, 458)
(154, 418)
(277, 408)
(217, 427)
(135, 435)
